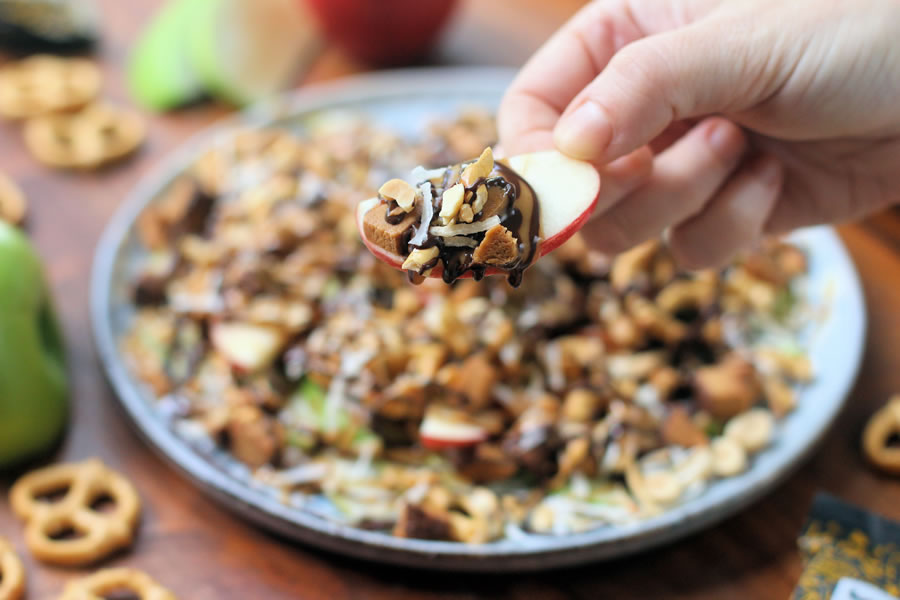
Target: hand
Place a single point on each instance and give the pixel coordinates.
(806, 98)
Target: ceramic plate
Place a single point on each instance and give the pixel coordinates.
(405, 101)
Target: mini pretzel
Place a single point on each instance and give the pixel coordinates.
(86, 482)
(12, 202)
(44, 84)
(98, 585)
(12, 573)
(881, 426)
(95, 136)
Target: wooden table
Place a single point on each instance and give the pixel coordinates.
(205, 553)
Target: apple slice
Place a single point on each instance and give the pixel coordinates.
(444, 427)
(246, 51)
(159, 74)
(247, 347)
(566, 190)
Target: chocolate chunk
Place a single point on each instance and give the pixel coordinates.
(416, 522)
(392, 238)
(150, 290)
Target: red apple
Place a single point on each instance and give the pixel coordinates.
(247, 347)
(444, 428)
(382, 32)
(566, 189)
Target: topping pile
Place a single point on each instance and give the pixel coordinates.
(467, 217)
(596, 393)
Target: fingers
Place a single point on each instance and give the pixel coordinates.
(623, 176)
(733, 220)
(696, 70)
(684, 178)
(560, 69)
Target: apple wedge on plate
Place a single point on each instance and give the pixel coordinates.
(565, 192)
(444, 427)
(248, 347)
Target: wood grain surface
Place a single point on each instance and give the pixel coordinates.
(205, 553)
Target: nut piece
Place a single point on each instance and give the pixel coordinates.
(686, 293)
(253, 436)
(728, 388)
(466, 214)
(481, 198)
(451, 201)
(664, 380)
(498, 247)
(729, 457)
(580, 405)
(631, 268)
(418, 259)
(796, 367)
(663, 487)
(654, 320)
(779, 396)
(679, 429)
(697, 467)
(752, 429)
(475, 380)
(400, 192)
(478, 169)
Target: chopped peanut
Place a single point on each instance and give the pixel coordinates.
(418, 258)
(451, 202)
(400, 192)
(479, 169)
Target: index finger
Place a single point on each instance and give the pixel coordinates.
(557, 72)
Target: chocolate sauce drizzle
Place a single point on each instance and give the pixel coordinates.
(520, 214)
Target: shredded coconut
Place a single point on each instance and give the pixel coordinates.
(465, 228)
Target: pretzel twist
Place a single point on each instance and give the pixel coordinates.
(12, 573)
(881, 426)
(95, 136)
(101, 583)
(100, 533)
(43, 84)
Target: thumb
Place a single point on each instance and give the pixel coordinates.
(695, 71)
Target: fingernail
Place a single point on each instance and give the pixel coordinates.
(724, 138)
(585, 133)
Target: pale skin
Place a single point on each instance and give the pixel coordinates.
(716, 122)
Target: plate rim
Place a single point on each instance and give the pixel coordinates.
(259, 507)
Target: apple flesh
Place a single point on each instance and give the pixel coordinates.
(444, 428)
(566, 190)
(236, 50)
(247, 347)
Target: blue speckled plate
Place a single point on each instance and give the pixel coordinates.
(405, 101)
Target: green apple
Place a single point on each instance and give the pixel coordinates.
(246, 51)
(33, 386)
(236, 50)
(160, 75)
